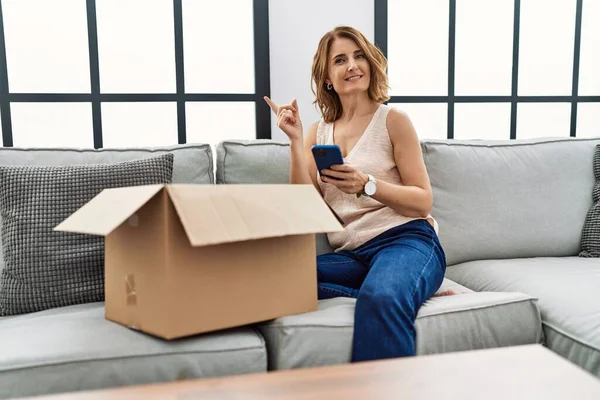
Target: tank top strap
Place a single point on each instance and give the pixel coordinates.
(322, 132)
(380, 123)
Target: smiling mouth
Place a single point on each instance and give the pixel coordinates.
(353, 78)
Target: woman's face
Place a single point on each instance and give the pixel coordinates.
(349, 71)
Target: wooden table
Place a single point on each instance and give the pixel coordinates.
(524, 372)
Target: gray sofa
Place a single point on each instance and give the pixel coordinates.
(510, 216)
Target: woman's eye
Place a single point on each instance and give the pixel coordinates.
(360, 56)
(339, 60)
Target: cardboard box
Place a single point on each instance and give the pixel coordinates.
(188, 259)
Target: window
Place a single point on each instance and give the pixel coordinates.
(113, 73)
(468, 69)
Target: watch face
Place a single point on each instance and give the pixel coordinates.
(370, 188)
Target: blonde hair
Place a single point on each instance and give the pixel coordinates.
(328, 101)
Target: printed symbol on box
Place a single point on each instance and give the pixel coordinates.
(130, 290)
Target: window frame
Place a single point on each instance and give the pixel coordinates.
(262, 83)
(381, 40)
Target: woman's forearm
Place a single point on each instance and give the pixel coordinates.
(411, 201)
(298, 165)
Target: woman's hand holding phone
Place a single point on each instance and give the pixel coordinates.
(333, 169)
(345, 177)
(288, 118)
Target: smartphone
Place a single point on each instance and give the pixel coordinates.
(326, 155)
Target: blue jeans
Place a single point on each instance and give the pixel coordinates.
(390, 276)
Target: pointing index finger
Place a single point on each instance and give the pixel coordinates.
(271, 104)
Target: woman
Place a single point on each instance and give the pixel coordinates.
(388, 257)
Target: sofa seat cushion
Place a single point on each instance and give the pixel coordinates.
(464, 321)
(76, 348)
(568, 289)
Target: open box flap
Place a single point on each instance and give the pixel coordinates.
(109, 209)
(214, 214)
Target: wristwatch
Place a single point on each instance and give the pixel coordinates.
(370, 187)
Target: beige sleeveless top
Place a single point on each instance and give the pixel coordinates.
(364, 218)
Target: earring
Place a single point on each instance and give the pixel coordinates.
(329, 87)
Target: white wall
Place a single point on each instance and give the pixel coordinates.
(295, 28)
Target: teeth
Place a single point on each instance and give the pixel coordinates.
(353, 78)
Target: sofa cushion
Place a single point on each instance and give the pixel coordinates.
(510, 199)
(590, 235)
(253, 161)
(464, 321)
(45, 268)
(568, 289)
(75, 348)
(258, 161)
(193, 163)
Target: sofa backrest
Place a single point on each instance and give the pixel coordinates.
(492, 199)
(253, 161)
(510, 199)
(193, 163)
